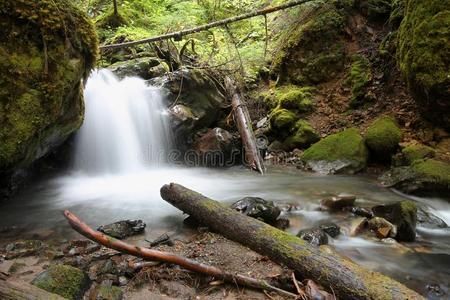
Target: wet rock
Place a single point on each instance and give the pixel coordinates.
(429, 220)
(163, 239)
(106, 292)
(358, 226)
(382, 227)
(123, 281)
(123, 229)
(404, 215)
(281, 223)
(217, 148)
(66, 281)
(361, 212)
(23, 248)
(258, 208)
(140, 67)
(314, 236)
(331, 229)
(337, 202)
(423, 177)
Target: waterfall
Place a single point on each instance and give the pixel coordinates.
(125, 127)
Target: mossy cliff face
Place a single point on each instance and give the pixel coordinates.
(46, 48)
(423, 55)
(313, 50)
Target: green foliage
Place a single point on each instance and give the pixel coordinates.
(62, 280)
(383, 136)
(345, 145)
(358, 78)
(417, 151)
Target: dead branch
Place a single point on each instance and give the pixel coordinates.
(151, 254)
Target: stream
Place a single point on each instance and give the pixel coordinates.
(109, 183)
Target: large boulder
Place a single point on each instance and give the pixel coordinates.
(423, 177)
(63, 280)
(46, 49)
(382, 137)
(423, 55)
(343, 152)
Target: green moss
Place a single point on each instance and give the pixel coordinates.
(304, 135)
(296, 98)
(423, 55)
(383, 136)
(439, 171)
(109, 293)
(41, 93)
(417, 151)
(282, 118)
(358, 79)
(63, 280)
(312, 50)
(347, 145)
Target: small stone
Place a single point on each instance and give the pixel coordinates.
(258, 208)
(282, 223)
(362, 212)
(331, 229)
(337, 202)
(106, 292)
(123, 229)
(358, 226)
(314, 236)
(123, 281)
(382, 227)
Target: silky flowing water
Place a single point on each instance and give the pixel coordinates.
(112, 180)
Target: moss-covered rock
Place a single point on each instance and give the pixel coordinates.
(423, 55)
(297, 98)
(141, 67)
(417, 151)
(106, 292)
(358, 79)
(424, 177)
(46, 48)
(304, 136)
(63, 280)
(312, 49)
(341, 152)
(281, 118)
(382, 137)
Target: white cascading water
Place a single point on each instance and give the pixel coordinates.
(125, 128)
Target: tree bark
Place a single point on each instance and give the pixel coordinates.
(20, 290)
(116, 11)
(180, 34)
(252, 155)
(331, 270)
(186, 263)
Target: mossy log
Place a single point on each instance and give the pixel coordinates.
(333, 271)
(20, 290)
(244, 123)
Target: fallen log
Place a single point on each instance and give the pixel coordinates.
(252, 155)
(333, 271)
(186, 263)
(21, 290)
(179, 34)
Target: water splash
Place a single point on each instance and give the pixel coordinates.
(125, 129)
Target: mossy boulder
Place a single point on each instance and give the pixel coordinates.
(426, 177)
(281, 118)
(414, 152)
(63, 280)
(383, 136)
(304, 136)
(358, 79)
(141, 67)
(423, 55)
(290, 97)
(46, 49)
(106, 292)
(403, 214)
(311, 50)
(343, 152)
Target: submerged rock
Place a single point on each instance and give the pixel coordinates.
(337, 202)
(66, 281)
(404, 215)
(424, 177)
(314, 236)
(258, 208)
(343, 152)
(123, 229)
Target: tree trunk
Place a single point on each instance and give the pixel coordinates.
(252, 155)
(333, 271)
(15, 290)
(116, 11)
